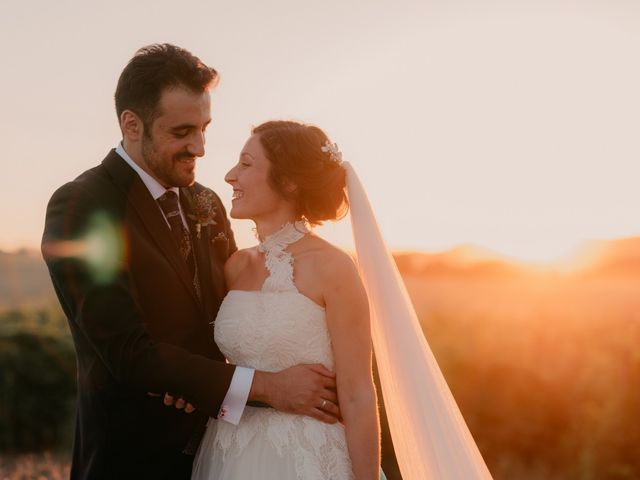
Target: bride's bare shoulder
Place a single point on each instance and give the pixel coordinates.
(237, 262)
(333, 262)
(337, 275)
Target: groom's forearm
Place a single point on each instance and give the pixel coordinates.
(237, 395)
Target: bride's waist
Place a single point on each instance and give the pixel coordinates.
(264, 419)
(273, 367)
(277, 428)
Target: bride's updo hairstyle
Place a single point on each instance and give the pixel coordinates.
(296, 155)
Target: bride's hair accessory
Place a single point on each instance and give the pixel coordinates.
(333, 151)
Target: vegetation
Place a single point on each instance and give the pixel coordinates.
(37, 385)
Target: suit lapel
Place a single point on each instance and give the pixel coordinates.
(200, 242)
(141, 201)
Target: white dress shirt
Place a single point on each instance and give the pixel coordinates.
(238, 393)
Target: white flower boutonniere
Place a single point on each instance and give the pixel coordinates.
(205, 210)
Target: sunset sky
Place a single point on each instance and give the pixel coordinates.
(512, 125)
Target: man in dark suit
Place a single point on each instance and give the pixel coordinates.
(136, 249)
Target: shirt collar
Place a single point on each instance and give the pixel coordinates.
(155, 188)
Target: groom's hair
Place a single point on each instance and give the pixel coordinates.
(153, 69)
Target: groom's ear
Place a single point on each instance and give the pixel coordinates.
(131, 125)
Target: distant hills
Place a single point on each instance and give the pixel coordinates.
(599, 258)
(468, 260)
(619, 257)
(24, 280)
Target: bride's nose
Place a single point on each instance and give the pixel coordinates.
(230, 177)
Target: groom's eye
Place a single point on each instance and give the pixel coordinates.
(181, 131)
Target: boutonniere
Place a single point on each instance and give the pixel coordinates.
(220, 237)
(204, 210)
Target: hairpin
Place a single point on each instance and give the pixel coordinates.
(333, 151)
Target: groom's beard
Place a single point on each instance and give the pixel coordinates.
(170, 172)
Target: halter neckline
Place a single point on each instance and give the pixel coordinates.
(287, 234)
(279, 263)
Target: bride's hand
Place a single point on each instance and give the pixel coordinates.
(303, 389)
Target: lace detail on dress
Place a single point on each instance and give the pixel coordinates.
(317, 451)
(279, 262)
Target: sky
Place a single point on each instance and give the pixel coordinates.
(511, 125)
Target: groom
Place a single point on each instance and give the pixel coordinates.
(136, 251)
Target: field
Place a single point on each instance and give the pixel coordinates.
(34, 466)
(546, 372)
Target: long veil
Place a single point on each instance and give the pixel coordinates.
(430, 437)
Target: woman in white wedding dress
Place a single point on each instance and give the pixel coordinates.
(294, 299)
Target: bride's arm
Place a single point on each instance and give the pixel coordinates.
(347, 313)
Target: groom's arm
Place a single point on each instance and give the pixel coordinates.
(106, 320)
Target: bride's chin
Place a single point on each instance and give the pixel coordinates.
(238, 215)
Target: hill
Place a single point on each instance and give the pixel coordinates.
(24, 280)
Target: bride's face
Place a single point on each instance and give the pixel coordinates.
(253, 195)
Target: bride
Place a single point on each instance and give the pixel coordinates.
(295, 298)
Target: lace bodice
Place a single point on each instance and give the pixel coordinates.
(276, 327)
(270, 330)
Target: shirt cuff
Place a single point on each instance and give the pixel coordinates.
(237, 395)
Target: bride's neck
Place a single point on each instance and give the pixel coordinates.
(270, 225)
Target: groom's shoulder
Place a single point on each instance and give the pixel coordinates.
(86, 184)
(92, 183)
(83, 185)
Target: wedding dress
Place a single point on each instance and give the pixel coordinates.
(270, 330)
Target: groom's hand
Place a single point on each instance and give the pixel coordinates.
(169, 400)
(304, 390)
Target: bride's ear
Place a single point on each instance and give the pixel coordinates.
(289, 186)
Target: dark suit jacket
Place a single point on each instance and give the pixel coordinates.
(136, 320)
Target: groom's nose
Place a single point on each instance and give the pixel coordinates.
(196, 144)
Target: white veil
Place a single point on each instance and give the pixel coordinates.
(430, 437)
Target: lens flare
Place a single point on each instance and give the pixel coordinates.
(102, 247)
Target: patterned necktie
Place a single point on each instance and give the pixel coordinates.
(169, 205)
